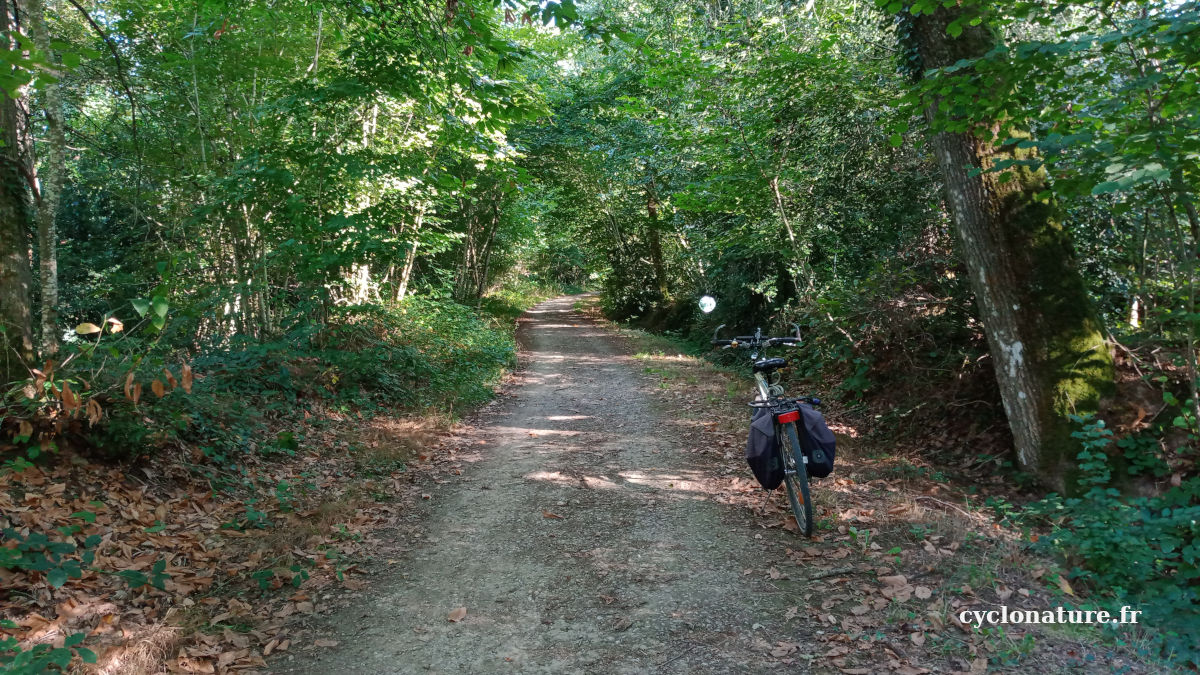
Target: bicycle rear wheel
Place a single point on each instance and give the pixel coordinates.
(795, 477)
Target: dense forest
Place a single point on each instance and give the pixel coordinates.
(221, 221)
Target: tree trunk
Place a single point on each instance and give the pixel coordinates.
(481, 277)
(656, 256)
(51, 186)
(410, 259)
(16, 338)
(1048, 348)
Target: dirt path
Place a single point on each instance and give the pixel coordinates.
(582, 539)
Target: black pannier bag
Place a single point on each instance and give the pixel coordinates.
(762, 449)
(816, 442)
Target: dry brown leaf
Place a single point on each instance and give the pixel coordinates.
(547, 514)
(94, 413)
(896, 587)
(918, 639)
(784, 648)
(979, 666)
(323, 642)
(157, 387)
(186, 375)
(69, 399)
(457, 615)
(922, 592)
(1065, 585)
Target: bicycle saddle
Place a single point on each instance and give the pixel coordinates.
(769, 365)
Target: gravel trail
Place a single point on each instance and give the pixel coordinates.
(584, 539)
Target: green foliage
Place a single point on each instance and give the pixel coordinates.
(1140, 551)
(42, 658)
(58, 558)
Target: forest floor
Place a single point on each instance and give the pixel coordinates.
(599, 517)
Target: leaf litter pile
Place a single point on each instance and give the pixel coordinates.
(897, 553)
(149, 567)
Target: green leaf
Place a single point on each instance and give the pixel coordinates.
(159, 304)
(57, 577)
(60, 657)
(134, 578)
(140, 306)
(74, 639)
(87, 328)
(895, 140)
(87, 655)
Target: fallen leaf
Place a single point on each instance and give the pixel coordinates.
(547, 514)
(922, 593)
(1065, 585)
(918, 639)
(457, 615)
(784, 648)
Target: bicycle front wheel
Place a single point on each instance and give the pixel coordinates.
(795, 477)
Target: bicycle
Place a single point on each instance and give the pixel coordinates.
(786, 412)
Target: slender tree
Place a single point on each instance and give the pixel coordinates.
(50, 185)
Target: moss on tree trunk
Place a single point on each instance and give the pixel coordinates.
(1048, 348)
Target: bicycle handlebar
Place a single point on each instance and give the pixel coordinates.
(751, 341)
(758, 341)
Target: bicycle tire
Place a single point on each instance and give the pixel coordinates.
(796, 477)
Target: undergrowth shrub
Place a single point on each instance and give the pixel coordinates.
(1138, 551)
(425, 353)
